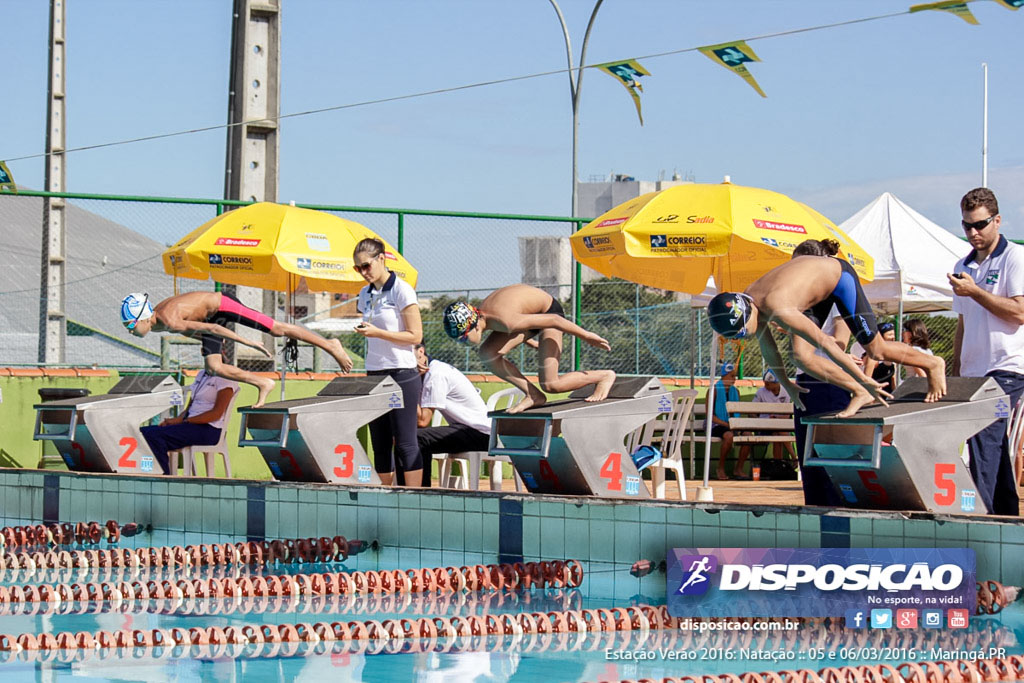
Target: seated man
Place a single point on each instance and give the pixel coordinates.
(199, 425)
(772, 392)
(814, 284)
(449, 391)
(725, 390)
(204, 315)
(515, 315)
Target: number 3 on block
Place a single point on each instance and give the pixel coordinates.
(612, 471)
(347, 460)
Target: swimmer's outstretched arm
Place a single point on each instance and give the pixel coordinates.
(771, 355)
(192, 327)
(798, 325)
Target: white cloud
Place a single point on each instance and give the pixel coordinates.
(935, 196)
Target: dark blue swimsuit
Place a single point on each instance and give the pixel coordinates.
(848, 296)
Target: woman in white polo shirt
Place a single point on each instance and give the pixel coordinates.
(392, 327)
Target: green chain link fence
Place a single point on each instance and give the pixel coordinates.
(114, 245)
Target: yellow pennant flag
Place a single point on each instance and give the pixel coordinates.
(957, 7)
(628, 73)
(732, 56)
(7, 179)
(1011, 4)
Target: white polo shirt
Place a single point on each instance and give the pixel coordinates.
(383, 308)
(990, 343)
(204, 395)
(449, 391)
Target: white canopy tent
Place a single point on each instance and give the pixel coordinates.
(912, 256)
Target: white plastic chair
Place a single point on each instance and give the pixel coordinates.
(469, 462)
(670, 428)
(188, 454)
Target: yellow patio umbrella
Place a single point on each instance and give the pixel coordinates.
(676, 238)
(272, 246)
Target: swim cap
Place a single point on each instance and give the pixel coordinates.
(726, 368)
(769, 376)
(729, 313)
(459, 319)
(135, 307)
(886, 327)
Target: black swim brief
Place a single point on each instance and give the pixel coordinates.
(555, 308)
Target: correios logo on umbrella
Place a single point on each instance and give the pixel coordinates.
(599, 243)
(231, 262)
(679, 243)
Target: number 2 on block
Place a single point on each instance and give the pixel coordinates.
(126, 459)
(612, 471)
(347, 460)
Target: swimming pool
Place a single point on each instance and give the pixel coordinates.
(360, 617)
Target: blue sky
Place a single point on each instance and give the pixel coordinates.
(852, 111)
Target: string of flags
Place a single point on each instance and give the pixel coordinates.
(735, 55)
(7, 179)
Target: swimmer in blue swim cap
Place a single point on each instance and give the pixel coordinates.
(797, 297)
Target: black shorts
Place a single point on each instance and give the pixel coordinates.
(849, 298)
(232, 310)
(555, 308)
(719, 430)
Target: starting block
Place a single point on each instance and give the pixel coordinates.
(314, 439)
(101, 433)
(573, 447)
(907, 456)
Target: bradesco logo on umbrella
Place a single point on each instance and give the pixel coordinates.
(812, 582)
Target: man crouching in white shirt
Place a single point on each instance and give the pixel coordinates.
(449, 391)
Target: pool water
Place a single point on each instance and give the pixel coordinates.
(594, 656)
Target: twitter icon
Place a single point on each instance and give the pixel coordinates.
(881, 618)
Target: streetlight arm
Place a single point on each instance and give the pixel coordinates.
(583, 54)
(568, 49)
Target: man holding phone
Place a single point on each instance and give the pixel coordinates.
(988, 295)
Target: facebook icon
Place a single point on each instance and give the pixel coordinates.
(855, 618)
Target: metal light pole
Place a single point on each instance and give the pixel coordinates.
(984, 127)
(574, 87)
(574, 95)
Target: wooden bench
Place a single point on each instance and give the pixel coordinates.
(747, 418)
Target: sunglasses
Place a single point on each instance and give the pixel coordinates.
(978, 225)
(365, 267)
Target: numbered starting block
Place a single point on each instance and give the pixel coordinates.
(314, 439)
(573, 447)
(907, 456)
(101, 433)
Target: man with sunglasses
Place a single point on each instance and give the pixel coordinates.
(521, 314)
(205, 315)
(988, 296)
(815, 284)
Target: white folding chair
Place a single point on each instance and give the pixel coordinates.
(469, 462)
(188, 454)
(671, 429)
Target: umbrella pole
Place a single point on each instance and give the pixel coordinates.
(705, 493)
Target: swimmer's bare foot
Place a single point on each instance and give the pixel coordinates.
(264, 385)
(721, 475)
(936, 381)
(534, 399)
(602, 387)
(859, 400)
(335, 348)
